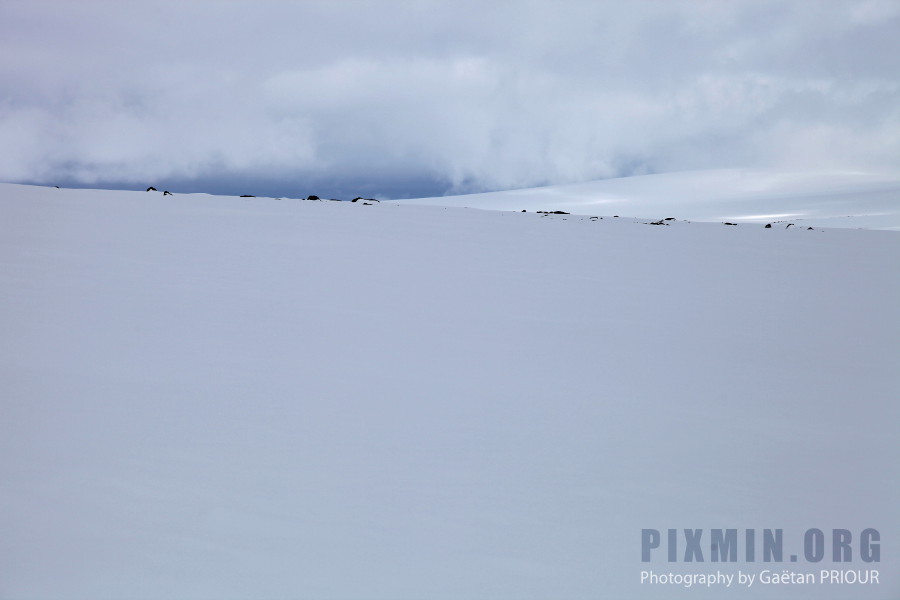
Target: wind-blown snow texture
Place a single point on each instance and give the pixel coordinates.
(211, 397)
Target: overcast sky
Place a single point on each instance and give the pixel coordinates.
(416, 98)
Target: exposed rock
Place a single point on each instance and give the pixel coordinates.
(769, 226)
(151, 189)
(167, 193)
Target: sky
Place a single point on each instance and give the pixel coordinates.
(403, 99)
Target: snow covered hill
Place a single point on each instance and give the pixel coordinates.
(218, 397)
(833, 199)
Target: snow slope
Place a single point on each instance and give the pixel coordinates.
(832, 199)
(215, 397)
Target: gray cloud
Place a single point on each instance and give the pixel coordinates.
(467, 95)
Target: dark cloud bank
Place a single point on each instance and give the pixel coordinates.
(405, 99)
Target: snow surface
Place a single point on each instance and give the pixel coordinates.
(217, 397)
(829, 199)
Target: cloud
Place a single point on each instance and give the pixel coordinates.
(470, 96)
